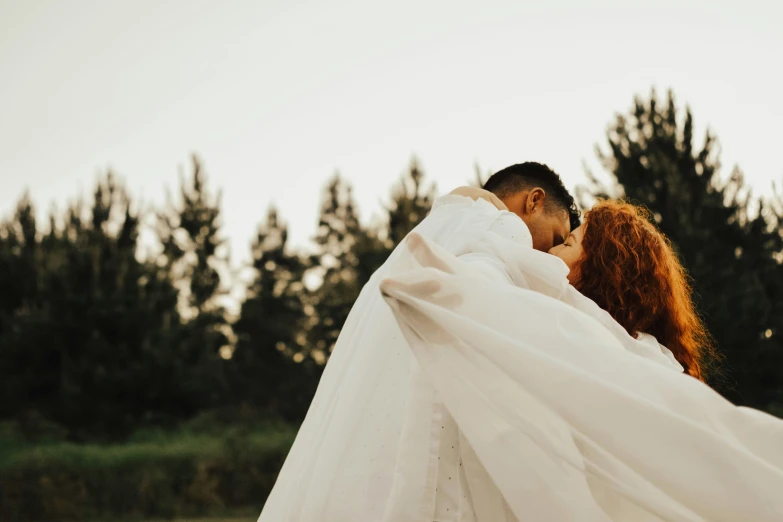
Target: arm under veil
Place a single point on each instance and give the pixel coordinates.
(569, 424)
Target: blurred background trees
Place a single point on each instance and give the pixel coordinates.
(83, 320)
(119, 347)
(729, 241)
(271, 342)
(103, 333)
(194, 258)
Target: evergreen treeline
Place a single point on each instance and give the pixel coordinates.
(730, 242)
(98, 340)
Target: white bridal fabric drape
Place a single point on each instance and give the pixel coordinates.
(561, 415)
(569, 425)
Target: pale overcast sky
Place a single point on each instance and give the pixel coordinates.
(275, 96)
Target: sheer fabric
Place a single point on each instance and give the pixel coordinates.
(538, 381)
(568, 422)
(368, 448)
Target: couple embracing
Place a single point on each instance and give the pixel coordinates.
(509, 363)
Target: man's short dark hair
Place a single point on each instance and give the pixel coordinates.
(529, 175)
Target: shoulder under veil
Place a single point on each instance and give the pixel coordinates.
(568, 422)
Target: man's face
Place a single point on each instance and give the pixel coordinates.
(548, 228)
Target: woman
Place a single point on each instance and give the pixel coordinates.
(546, 385)
(618, 259)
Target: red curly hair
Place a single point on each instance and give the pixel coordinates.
(630, 270)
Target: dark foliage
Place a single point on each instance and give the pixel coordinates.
(729, 242)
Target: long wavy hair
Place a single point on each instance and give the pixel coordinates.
(630, 270)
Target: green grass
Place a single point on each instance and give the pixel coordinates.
(223, 474)
(223, 519)
(241, 515)
(183, 447)
(142, 447)
(235, 515)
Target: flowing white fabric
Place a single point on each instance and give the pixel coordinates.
(526, 408)
(568, 423)
(368, 448)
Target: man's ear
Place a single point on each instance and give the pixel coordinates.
(535, 200)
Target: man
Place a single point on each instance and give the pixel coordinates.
(525, 190)
(377, 443)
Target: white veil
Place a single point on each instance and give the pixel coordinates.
(543, 391)
(568, 423)
(363, 451)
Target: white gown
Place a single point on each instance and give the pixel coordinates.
(557, 419)
(567, 422)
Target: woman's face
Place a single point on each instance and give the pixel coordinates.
(571, 251)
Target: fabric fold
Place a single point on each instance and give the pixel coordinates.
(569, 423)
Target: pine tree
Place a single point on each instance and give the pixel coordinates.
(19, 249)
(348, 254)
(195, 259)
(269, 367)
(19, 292)
(729, 242)
(190, 233)
(85, 341)
(411, 201)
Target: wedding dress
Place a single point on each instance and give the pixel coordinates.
(569, 424)
(494, 378)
